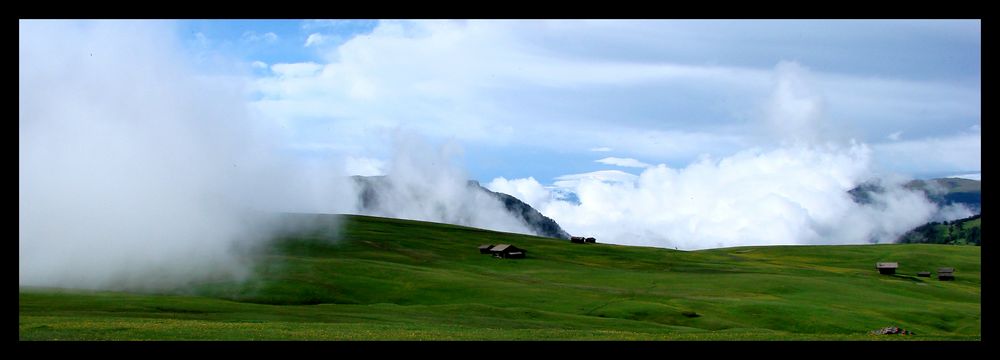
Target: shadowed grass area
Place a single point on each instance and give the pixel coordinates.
(389, 279)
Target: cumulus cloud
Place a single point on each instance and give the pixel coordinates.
(491, 82)
(314, 39)
(795, 112)
(623, 162)
(793, 195)
(528, 190)
(137, 172)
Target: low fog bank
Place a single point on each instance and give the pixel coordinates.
(136, 172)
(786, 196)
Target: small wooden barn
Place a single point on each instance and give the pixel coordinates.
(887, 268)
(946, 274)
(485, 249)
(507, 251)
(590, 240)
(577, 239)
(924, 274)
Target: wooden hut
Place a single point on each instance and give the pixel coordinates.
(886, 268)
(590, 240)
(924, 274)
(577, 239)
(946, 274)
(485, 249)
(507, 251)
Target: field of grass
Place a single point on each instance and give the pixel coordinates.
(387, 279)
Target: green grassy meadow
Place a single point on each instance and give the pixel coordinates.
(388, 279)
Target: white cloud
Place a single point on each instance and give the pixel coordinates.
(624, 162)
(601, 149)
(796, 108)
(364, 166)
(894, 136)
(529, 190)
(793, 195)
(314, 39)
(490, 82)
(259, 65)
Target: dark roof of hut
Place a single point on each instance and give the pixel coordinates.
(887, 265)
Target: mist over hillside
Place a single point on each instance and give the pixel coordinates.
(966, 231)
(956, 198)
(379, 195)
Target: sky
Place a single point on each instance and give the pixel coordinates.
(545, 99)
(686, 134)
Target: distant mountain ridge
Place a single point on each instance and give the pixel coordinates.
(370, 198)
(943, 192)
(542, 224)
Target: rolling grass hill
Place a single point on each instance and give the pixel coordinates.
(388, 279)
(967, 231)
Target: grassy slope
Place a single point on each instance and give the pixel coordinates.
(396, 279)
(957, 232)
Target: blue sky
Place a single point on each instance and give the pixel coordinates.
(250, 39)
(531, 98)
